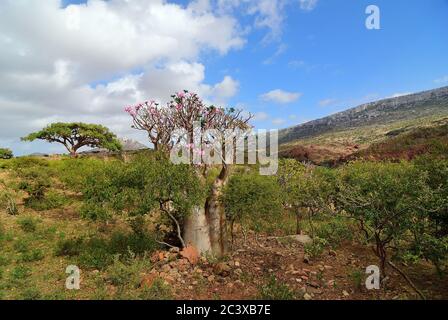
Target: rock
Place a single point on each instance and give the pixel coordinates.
(148, 280)
(302, 238)
(174, 250)
(191, 254)
(307, 296)
(345, 293)
(157, 256)
(222, 269)
(183, 265)
(166, 268)
(238, 271)
(237, 264)
(306, 259)
(211, 278)
(313, 284)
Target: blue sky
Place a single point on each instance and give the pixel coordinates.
(292, 64)
(329, 56)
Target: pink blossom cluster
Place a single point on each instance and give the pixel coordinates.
(198, 151)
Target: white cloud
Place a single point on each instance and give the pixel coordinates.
(227, 88)
(296, 64)
(308, 5)
(268, 14)
(442, 80)
(327, 102)
(400, 94)
(47, 75)
(261, 116)
(278, 121)
(281, 49)
(280, 96)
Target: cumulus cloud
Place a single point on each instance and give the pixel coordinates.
(281, 96)
(85, 62)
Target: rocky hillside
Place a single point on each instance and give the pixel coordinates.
(388, 111)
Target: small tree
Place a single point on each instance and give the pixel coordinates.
(306, 189)
(251, 195)
(74, 136)
(147, 184)
(5, 153)
(430, 233)
(384, 198)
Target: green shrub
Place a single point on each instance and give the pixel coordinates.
(51, 200)
(126, 272)
(5, 153)
(157, 291)
(385, 199)
(27, 224)
(253, 196)
(357, 278)
(22, 245)
(275, 290)
(8, 203)
(98, 253)
(334, 230)
(4, 261)
(315, 248)
(68, 247)
(20, 272)
(95, 254)
(31, 256)
(30, 294)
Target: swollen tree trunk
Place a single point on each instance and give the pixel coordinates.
(206, 228)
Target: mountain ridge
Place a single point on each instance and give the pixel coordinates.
(384, 111)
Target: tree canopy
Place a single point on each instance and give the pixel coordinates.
(76, 135)
(5, 153)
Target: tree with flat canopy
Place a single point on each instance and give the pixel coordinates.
(6, 153)
(76, 135)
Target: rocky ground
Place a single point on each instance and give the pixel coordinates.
(336, 274)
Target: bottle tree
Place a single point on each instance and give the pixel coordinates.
(205, 227)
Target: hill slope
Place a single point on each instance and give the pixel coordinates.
(405, 110)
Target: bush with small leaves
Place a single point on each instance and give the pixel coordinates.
(275, 290)
(252, 196)
(27, 224)
(6, 153)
